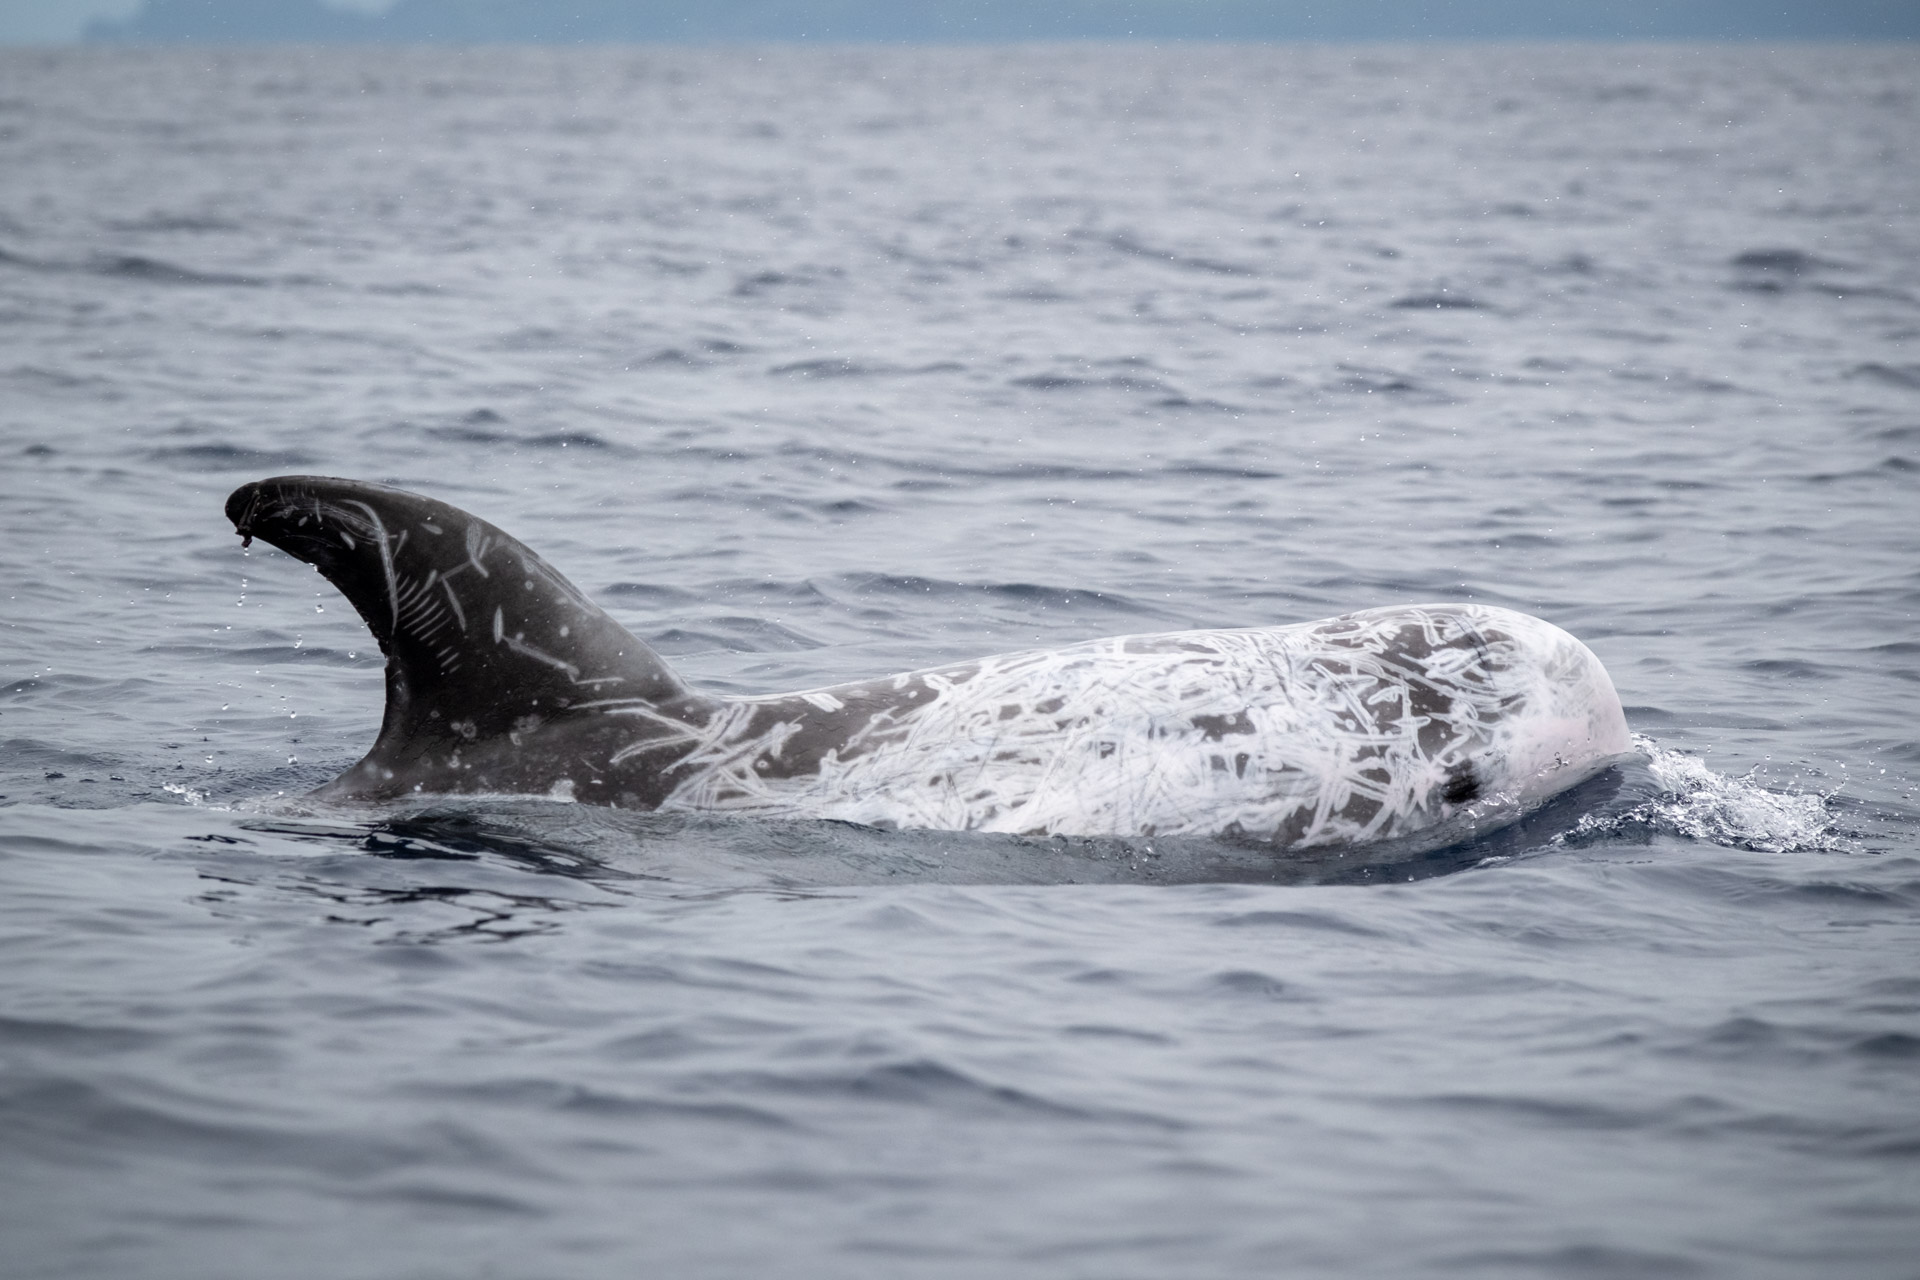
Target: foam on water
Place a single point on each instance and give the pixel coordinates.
(1739, 812)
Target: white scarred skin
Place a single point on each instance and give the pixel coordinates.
(1422, 723)
(1372, 726)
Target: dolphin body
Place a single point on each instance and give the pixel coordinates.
(1415, 725)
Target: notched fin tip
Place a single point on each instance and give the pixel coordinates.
(240, 508)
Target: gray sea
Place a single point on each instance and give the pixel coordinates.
(818, 364)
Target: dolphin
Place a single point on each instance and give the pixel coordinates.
(1418, 725)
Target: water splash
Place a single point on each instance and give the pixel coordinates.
(1696, 802)
(191, 796)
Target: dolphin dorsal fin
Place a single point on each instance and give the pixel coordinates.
(478, 631)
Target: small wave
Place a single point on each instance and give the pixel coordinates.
(1219, 471)
(1022, 595)
(943, 471)
(1791, 262)
(1037, 291)
(8, 258)
(174, 222)
(476, 427)
(762, 282)
(1186, 261)
(652, 593)
(1297, 922)
(573, 440)
(1781, 270)
(1444, 300)
(1700, 804)
(227, 457)
(825, 368)
(927, 1082)
(844, 368)
(1116, 382)
(155, 271)
(1905, 376)
(731, 634)
(1896, 464)
(1201, 404)
(841, 367)
(669, 358)
(1368, 381)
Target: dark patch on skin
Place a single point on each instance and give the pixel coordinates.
(1360, 809)
(1462, 786)
(1294, 827)
(1214, 728)
(1436, 711)
(1411, 651)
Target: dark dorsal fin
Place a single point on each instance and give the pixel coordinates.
(478, 630)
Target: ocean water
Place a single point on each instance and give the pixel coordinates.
(812, 365)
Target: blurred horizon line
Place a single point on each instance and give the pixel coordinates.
(723, 22)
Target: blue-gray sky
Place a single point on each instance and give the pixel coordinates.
(53, 21)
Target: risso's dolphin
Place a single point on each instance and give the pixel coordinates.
(1416, 724)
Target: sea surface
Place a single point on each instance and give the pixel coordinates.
(813, 365)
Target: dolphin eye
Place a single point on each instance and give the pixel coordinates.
(1462, 787)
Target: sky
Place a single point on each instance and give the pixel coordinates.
(60, 21)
